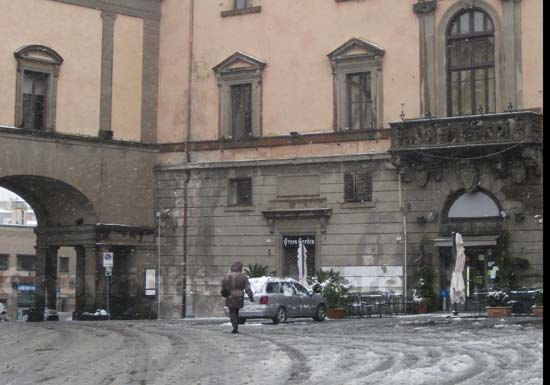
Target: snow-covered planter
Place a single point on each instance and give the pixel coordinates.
(498, 304)
(334, 288)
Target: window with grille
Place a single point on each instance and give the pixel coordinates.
(359, 93)
(63, 264)
(240, 192)
(358, 187)
(4, 262)
(470, 64)
(241, 111)
(26, 262)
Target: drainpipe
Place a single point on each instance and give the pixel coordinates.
(404, 213)
(186, 149)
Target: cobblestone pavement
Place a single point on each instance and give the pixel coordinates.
(397, 350)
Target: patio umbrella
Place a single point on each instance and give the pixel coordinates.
(302, 263)
(457, 281)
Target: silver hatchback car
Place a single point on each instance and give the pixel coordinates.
(281, 298)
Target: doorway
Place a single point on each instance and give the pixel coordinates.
(291, 250)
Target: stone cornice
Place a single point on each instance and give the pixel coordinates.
(147, 9)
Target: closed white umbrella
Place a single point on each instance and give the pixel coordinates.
(457, 281)
(302, 263)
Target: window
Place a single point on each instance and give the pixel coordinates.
(240, 86)
(242, 4)
(4, 261)
(63, 264)
(358, 187)
(360, 114)
(357, 68)
(240, 192)
(37, 71)
(273, 287)
(473, 205)
(300, 289)
(288, 288)
(470, 64)
(26, 262)
(241, 111)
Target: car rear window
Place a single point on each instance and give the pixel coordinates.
(273, 287)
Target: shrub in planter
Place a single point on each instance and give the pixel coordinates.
(425, 289)
(331, 285)
(539, 303)
(498, 304)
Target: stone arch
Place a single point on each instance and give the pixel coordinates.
(482, 197)
(55, 202)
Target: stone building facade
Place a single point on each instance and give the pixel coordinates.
(369, 129)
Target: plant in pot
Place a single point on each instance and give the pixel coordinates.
(331, 285)
(498, 304)
(539, 302)
(424, 296)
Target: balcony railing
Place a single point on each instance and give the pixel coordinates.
(500, 128)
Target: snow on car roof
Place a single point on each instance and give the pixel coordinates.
(258, 284)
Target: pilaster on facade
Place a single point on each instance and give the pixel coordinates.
(106, 99)
(512, 69)
(426, 15)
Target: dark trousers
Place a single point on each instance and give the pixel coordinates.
(234, 316)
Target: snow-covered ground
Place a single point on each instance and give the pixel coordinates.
(397, 350)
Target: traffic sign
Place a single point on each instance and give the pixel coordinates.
(108, 259)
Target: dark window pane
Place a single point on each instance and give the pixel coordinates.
(26, 262)
(241, 103)
(466, 93)
(4, 262)
(491, 89)
(363, 187)
(455, 94)
(63, 264)
(34, 99)
(360, 103)
(241, 191)
(479, 90)
(454, 28)
(349, 187)
(367, 102)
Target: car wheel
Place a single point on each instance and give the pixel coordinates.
(320, 314)
(280, 316)
(242, 320)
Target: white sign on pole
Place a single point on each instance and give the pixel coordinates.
(108, 259)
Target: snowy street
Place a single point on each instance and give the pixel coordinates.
(397, 350)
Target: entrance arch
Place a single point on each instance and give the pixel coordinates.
(65, 218)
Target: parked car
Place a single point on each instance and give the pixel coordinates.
(281, 298)
(51, 315)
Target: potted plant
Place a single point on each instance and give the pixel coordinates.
(539, 302)
(498, 304)
(424, 288)
(331, 285)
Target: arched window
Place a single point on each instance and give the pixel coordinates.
(473, 205)
(470, 41)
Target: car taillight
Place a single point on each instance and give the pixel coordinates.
(264, 299)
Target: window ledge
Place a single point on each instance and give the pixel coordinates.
(243, 11)
(241, 208)
(357, 205)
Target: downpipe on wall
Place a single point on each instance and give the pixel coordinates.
(403, 210)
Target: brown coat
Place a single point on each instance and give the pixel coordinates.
(236, 282)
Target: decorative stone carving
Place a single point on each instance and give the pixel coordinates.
(518, 171)
(437, 175)
(421, 176)
(424, 7)
(500, 168)
(469, 176)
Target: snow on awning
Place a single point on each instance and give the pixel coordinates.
(472, 240)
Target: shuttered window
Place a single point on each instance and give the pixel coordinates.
(240, 192)
(34, 100)
(241, 111)
(357, 187)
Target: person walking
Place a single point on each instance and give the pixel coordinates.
(234, 285)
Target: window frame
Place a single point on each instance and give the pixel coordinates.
(354, 176)
(44, 60)
(346, 61)
(5, 257)
(19, 265)
(471, 68)
(239, 69)
(234, 192)
(66, 260)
